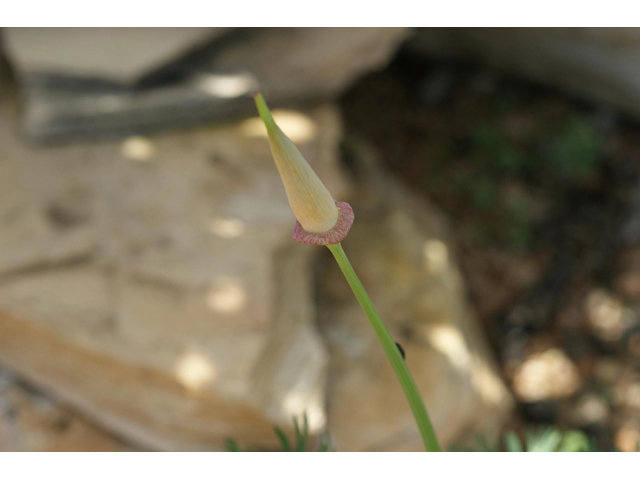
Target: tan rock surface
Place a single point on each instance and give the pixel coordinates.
(399, 248)
(152, 285)
(147, 290)
(120, 54)
(288, 62)
(31, 422)
(302, 63)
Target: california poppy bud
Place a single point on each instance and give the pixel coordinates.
(321, 220)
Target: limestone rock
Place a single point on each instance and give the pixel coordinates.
(117, 54)
(31, 422)
(601, 65)
(301, 63)
(399, 248)
(290, 65)
(160, 293)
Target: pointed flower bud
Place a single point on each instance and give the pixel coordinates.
(321, 220)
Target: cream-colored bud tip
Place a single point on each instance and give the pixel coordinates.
(310, 200)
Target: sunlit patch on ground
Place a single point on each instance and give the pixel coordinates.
(227, 297)
(627, 438)
(195, 371)
(437, 256)
(297, 126)
(487, 383)
(547, 375)
(449, 341)
(227, 227)
(225, 86)
(138, 149)
(591, 409)
(297, 406)
(606, 315)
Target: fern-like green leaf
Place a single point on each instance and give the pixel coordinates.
(512, 442)
(284, 441)
(231, 445)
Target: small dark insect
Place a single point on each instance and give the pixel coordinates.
(401, 351)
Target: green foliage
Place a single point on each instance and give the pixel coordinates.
(512, 442)
(282, 438)
(230, 445)
(301, 435)
(498, 175)
(297, 444)
(545, 439)
(325, 443)
(576, 441)
(574, 153)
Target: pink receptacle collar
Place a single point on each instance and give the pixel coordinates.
(332, 236)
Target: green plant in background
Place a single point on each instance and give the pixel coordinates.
(298, 444)
(323, 221)
(498, 177)
(574, 153)
(546, 439)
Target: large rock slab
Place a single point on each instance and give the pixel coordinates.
(306, 63)
(116, 54)
(71, 93)
(32, 422)
(601, 65)
(400, 249)
(153, 284)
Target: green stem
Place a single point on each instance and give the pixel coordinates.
(391, 349)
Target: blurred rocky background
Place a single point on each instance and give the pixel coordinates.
(151, 297)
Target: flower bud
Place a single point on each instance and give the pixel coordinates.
(310, 200)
